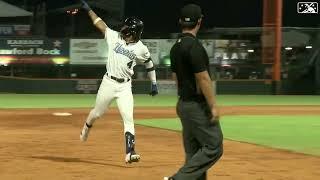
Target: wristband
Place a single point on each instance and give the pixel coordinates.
(97, 20)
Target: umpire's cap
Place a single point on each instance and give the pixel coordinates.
(190, 14)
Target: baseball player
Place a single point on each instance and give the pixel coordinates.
(125, 51)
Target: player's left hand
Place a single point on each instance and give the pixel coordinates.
(85, 5)
(154, 89)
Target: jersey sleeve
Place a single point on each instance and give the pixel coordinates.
(172, 59)
(198, 58)
(111, 36)
(144, 55)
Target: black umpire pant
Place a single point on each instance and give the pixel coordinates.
(202, 140)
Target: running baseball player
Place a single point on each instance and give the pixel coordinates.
(125, 51)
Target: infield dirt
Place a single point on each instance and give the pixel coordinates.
(35, 145)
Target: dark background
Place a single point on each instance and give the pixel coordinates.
(161, 16)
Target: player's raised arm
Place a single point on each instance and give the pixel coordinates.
(97, 21)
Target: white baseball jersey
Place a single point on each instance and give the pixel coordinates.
(123, 57)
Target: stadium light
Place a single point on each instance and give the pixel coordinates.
(288, 48)
(308, 47)
(250, 50)
(226, 65)
(5, 60)
(60, 60)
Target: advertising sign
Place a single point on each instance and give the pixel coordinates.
(88, 51)
(87, 86)
(34, 50)
(160, 49)
(32, 47)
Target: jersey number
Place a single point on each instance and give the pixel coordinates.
(130, 64)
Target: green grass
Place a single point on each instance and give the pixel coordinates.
(87, 100)
(233, 100)
(294, 133)
(45, 101)
(73, 100)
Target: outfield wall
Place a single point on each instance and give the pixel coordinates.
(73, 86)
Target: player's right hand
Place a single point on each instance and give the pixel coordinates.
(85, 5)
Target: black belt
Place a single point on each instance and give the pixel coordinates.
(119, 80)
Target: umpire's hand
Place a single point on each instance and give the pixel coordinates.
(154, 89)
(215, 114)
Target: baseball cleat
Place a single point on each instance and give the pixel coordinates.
(132, 157)
(85, 132)
(167, 178)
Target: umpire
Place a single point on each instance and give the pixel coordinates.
(196, 108)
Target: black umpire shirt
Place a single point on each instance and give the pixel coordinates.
(188, 56)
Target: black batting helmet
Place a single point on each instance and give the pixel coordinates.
(132, 26)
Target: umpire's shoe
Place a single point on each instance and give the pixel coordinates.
(85, 132)
(132, 157)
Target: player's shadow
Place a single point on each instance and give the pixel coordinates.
(76, 160)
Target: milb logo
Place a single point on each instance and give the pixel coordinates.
(307, 7)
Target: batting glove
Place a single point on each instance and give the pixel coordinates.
(154, 89)
(85, 5)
